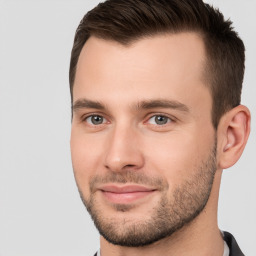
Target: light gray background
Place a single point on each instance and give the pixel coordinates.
(40, 209)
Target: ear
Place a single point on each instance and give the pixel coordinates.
(233, 132)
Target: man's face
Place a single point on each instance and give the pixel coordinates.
(142, 142)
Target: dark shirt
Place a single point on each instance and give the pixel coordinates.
(234, 249)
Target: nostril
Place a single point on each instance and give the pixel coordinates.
(129, 165)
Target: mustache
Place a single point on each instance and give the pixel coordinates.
(128, 176)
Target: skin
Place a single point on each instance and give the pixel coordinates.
(122, 78)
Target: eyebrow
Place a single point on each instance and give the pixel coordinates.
(85, 103)
(145, 104)
(162, 103)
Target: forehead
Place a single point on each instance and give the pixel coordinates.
(170, 65)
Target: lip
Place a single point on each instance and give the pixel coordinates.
(125, 194)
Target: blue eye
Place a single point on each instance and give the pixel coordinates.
(159, 120)
(95, 120)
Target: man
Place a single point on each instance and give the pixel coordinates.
(155, 87)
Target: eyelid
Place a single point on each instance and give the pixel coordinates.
(91, 120)
(87, 115)
(171, 117)
(168, 120)
(147, 118)
(173, 120)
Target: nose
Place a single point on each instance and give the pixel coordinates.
(124, 150)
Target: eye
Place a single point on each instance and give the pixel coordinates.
(95, 120)
(159, 120)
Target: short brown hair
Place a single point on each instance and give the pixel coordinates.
(126, 21)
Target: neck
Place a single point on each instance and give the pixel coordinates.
(200, 237)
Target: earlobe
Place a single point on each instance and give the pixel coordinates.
(233, 132)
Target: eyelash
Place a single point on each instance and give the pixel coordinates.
(170, 120)
(166, 118)
(85, 118)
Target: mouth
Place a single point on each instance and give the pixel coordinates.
(125, 194)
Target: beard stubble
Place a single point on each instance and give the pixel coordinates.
(169, 215)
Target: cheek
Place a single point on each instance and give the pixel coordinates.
(85, 154)
(176, 156)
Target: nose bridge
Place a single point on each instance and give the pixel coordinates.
(123, 149)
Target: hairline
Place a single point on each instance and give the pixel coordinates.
(206, 76)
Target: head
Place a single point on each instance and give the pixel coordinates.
(155, 89)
